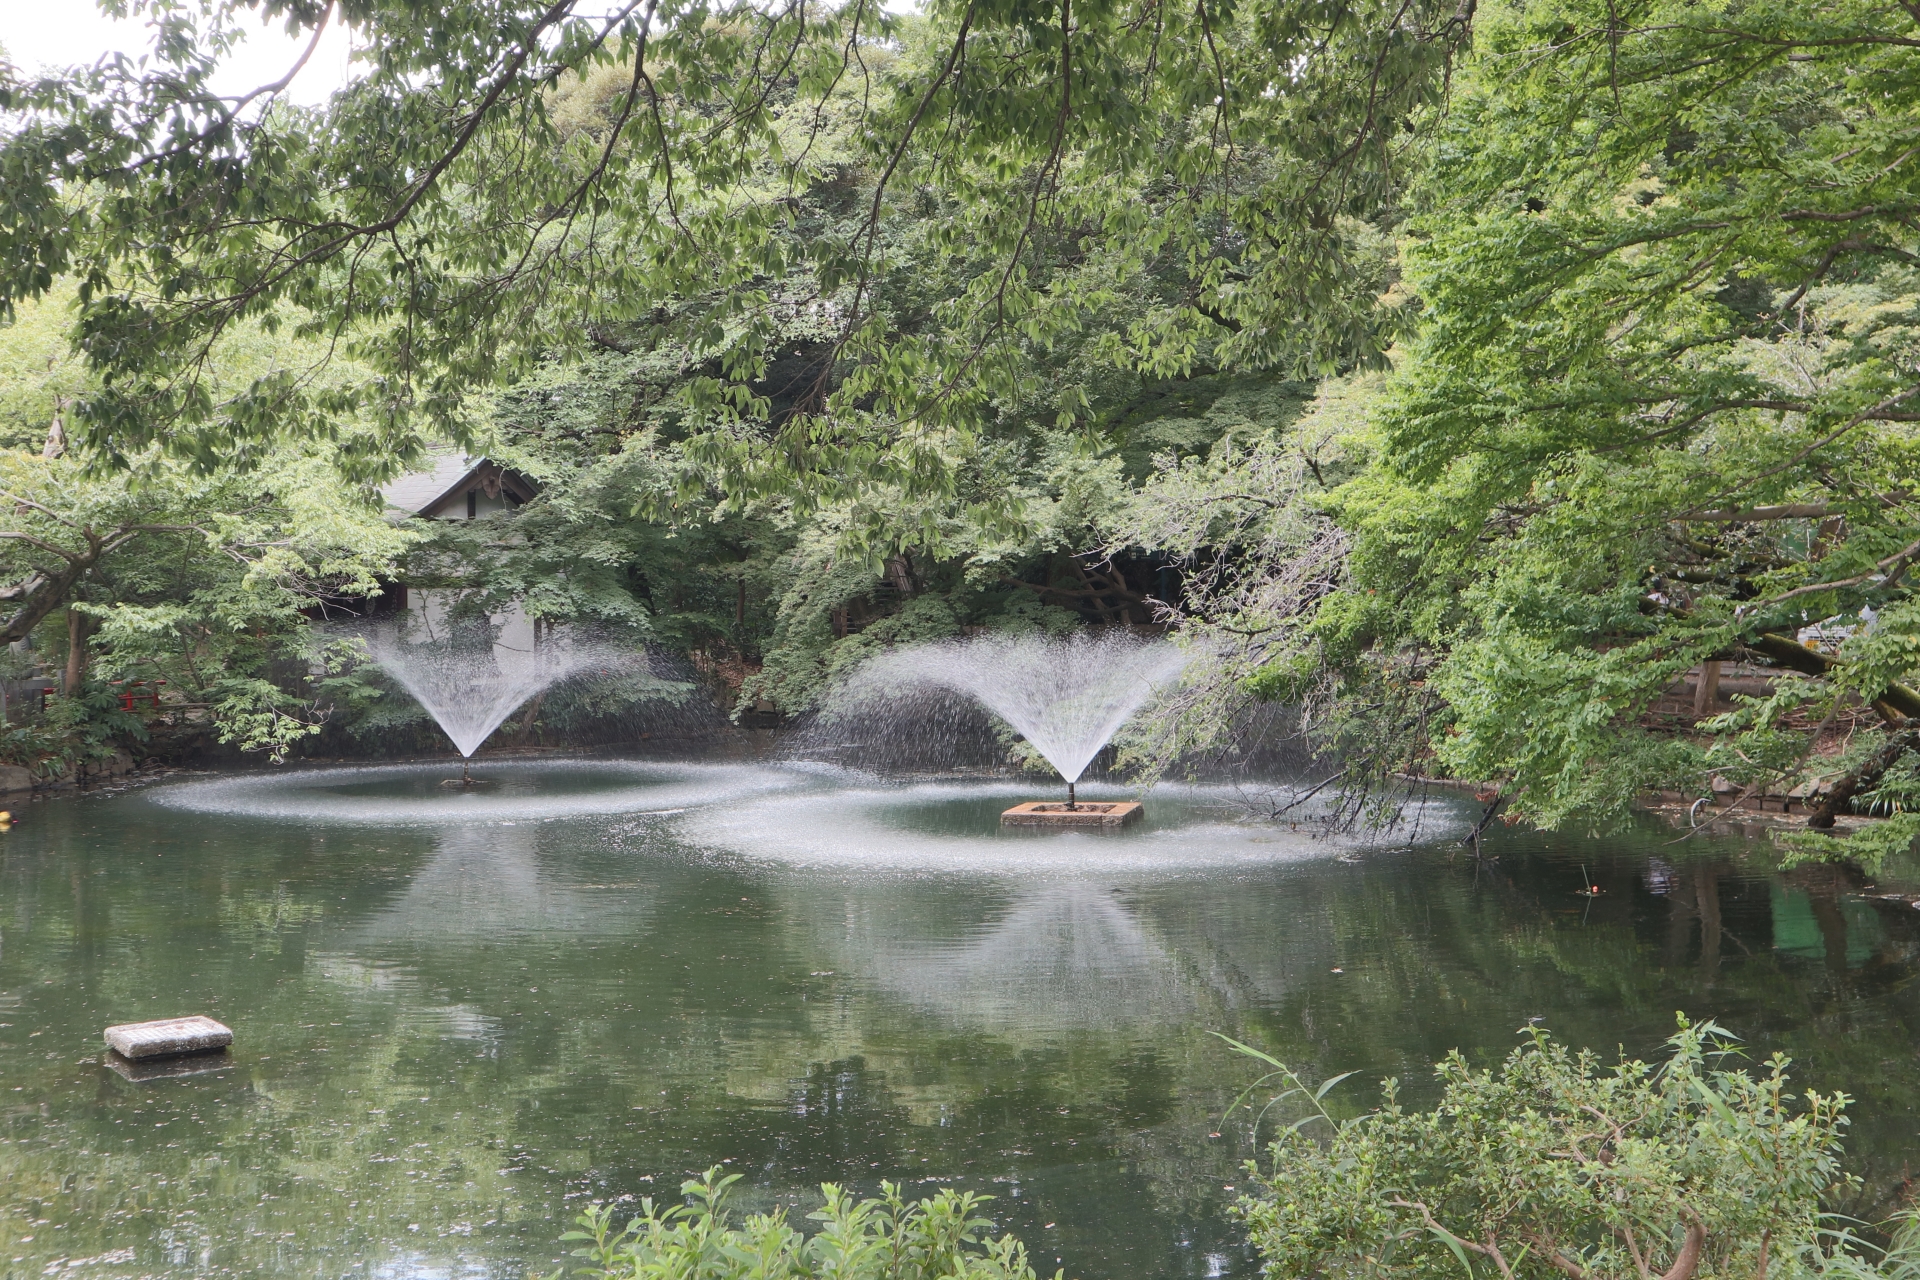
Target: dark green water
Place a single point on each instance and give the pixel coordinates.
(454, 1033)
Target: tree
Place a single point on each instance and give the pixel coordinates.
(1656, 411)
(1263, 565)
(645, 524)
(1666, 373)
(193, 578)
(458, 213)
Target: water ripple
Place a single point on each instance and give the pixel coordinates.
(521, 791)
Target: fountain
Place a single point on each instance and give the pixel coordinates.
(470, 680)
(1066, 697)
(525, 791)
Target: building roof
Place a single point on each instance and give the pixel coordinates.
(418, 490)
(449, 475)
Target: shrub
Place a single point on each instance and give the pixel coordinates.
(883, 1239)
(1554, 1167)
(78, 728)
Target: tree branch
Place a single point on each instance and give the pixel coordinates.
(1490, 1249)
(1870, 771)
(1885, 573)
(1896, 702)
(1684, 1266)
(1757, 515)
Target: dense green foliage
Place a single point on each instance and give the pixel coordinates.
(188, 580)
(817, 306)
(502, 180)
(825, 329)
(1656, 411)
(1554, 1166)
(877, 1239)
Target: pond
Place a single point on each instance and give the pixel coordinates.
(461, 1017)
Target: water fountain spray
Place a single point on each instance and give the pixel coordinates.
(1067, 697)
(469, 681)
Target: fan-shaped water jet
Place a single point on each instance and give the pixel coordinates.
(1066, 697)
(469, 678)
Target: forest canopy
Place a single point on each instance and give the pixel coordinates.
(1475, 382)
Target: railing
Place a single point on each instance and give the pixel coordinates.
(135, 692)
(24, 701)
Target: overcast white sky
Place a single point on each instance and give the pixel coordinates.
(64, 33)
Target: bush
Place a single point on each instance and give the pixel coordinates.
(78, 728)
(1555, 1168)
(884, 1239)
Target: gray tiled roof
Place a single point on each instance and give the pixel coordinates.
(418, 490)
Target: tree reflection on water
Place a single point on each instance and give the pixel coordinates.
(449, 1038)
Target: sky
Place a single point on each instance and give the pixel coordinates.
(63, 33)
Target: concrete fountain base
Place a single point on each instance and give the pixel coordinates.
(1101, 815)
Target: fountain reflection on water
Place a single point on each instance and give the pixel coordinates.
(489, 882)
(1066, 696)
(1068, 953)
(846, 823)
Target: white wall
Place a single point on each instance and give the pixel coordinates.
(431, 606)
(483, 506)
(513, 628)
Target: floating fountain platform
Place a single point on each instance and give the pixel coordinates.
(466, 781)
(1101, 815)
(168, 1037)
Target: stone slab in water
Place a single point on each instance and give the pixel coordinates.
(1108, 815)
(185, 1064)
(168, 1037)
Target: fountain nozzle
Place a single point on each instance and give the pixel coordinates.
(466, 781)
(1070, 804)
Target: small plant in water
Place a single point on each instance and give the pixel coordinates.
(884, 1239)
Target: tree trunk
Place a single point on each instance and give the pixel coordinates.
(1897, 701)
(1707, 690)
(57, 433)
(37, 596)
(527, 722)
(899, 572)
(79, 627)
(1835, 801)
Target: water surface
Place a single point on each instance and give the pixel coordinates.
(462, 1017)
